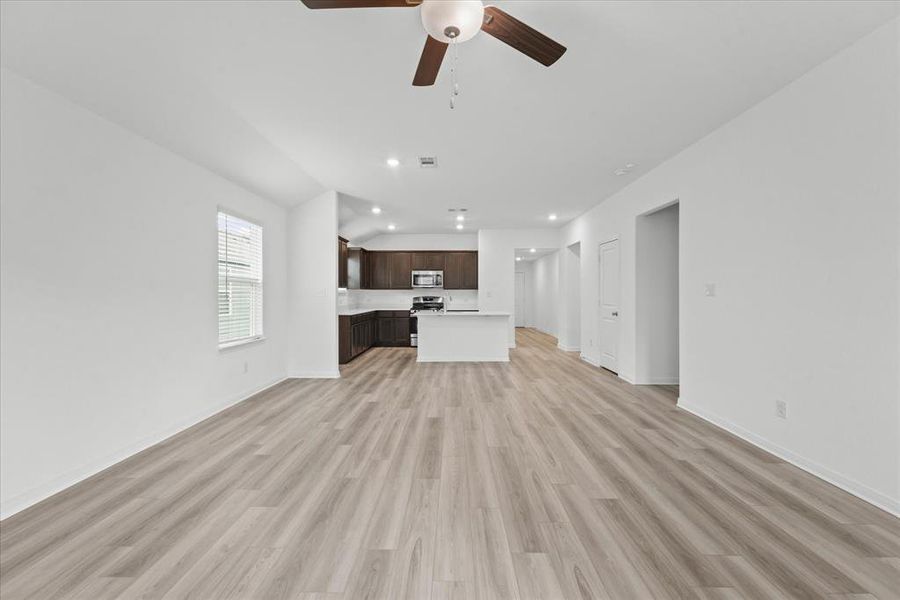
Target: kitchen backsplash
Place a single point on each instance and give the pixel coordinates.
(402, 299)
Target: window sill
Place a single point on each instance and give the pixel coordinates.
(242, 342)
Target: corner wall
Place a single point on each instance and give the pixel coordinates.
(312, 298)
(791, 210)
(108, 329)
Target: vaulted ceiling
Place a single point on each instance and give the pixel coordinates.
(289, 102)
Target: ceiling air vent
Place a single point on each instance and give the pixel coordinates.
(428, 162)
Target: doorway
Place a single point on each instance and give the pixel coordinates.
(656, 297)
(572, 331)
(608, 328)
(521, 321)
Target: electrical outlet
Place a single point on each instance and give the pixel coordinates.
(781, 409)
(709, 290)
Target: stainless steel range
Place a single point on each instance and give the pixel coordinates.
(422, 304)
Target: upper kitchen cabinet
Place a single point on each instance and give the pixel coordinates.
(358, 269)
(428, 261)
(379, 270)
(392, 270)
(389, 270)
(461, 271)
(343, 256)
(401, 270)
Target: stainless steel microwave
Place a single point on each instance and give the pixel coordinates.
(428, 279)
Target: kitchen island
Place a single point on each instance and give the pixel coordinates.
(463, 336)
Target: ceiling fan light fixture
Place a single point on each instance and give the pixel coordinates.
(452, 20)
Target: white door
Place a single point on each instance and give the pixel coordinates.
(609, 306)
(520, 299)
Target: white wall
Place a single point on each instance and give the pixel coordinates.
(496, 266)
(108, 342)
(312, 300)
(422, 241)
(656, 297)
(791, 209)
(545, 293)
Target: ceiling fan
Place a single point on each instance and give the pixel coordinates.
(456, 21)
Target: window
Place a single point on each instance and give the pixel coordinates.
(240, 281)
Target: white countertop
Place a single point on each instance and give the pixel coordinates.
(464, 313)
(349, 312)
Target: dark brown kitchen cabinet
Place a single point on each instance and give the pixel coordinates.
(392, 270)
(401, 270)
(401, 330)
(380, 270)
(343, 256)
(358, 333)
(393, 328)
(428, 261)
(461, 271)
(364, 269)
(470, 271)
(386, 332)
(358, 269)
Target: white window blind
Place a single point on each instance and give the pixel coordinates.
(240, 280)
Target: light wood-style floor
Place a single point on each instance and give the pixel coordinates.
(544, 478)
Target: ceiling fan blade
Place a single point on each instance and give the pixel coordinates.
(430, 62)
(520, 36)
(360, 3)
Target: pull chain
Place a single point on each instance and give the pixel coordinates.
(454, 84)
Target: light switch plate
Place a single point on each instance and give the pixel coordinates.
(709, 290)
(781, 409)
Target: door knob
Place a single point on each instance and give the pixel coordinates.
(615, 313)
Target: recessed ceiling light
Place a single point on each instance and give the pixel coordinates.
(518, 258)
(376, 210)
(459, 225)
(620, 172)
(630, 166)
(533, 250)
(392, 227)
(393, 162)
(460, 217)
(552, 217)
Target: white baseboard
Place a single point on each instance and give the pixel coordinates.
(589, 360)
(848, 484)
(474, 359)
(568, 348)
(626, 378)
(317, 375)
(42, 492)
(658, 381)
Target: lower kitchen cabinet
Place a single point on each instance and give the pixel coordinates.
(358, 333)
(393, 328)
